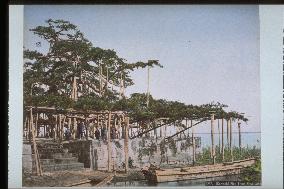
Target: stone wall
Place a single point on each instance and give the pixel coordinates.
(81, 150)
(27, 160)
(138, 149)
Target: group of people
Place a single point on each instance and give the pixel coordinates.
(101, 133)
(84, 130)
(88, 129)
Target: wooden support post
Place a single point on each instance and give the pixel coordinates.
(63, 125)
(55, 128)
(228, 131)
(109, 149)
(240, 137)
(148, 87)
(98, 125)
(26, 127)
(60, 129)
(126, 143)
(74, 128)
(212, 139)
(29, 130)
(36, 126)
(100, 77)
(36, 155)
(231, 149)
(193, 144)
(69, 123)
(220, 150)
(223, 152)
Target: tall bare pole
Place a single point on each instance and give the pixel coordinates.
(60, 128)
(36, 155)
(231, 149)
(74, 127)
(240, 137)
(228, 131)
(193, 144)
(212, 139)
(106, 80)
(219, 136)
(55, 128)
(36, 126)
(223, 154)
(126, 143)
(109, 149)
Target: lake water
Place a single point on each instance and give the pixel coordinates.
(247, 139)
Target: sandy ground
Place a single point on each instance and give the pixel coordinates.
(77, 178)
(63, 178)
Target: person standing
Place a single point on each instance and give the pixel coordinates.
(97, 134)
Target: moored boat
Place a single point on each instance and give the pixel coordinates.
(155, 174)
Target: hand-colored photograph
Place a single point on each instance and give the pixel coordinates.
(141, 95)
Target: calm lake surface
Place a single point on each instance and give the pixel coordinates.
(247, 139)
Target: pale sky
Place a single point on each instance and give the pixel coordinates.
(220, 63)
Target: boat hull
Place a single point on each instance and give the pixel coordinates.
(197, 172)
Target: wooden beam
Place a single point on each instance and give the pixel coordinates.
(186, 128)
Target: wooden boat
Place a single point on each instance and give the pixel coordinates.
(154, 174)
